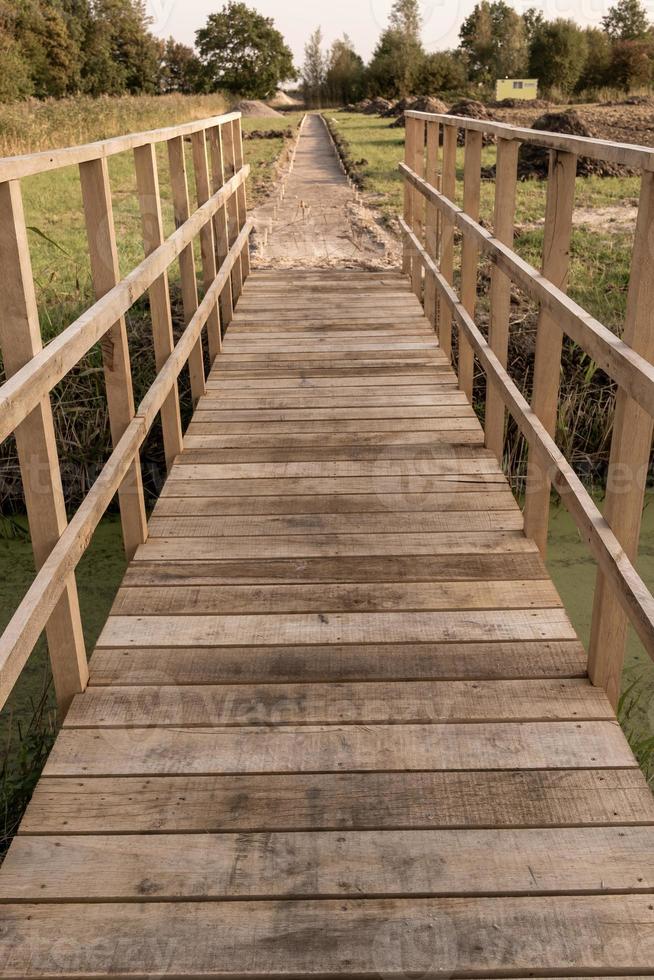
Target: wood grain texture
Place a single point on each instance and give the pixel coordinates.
(338, 723)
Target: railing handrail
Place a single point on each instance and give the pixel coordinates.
(430, 219)
(625, 154)
(30, 164)
(220, 222)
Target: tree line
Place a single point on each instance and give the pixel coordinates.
(495, 41)
(58, 48)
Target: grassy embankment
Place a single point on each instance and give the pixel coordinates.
(598, 281)
(61, 270)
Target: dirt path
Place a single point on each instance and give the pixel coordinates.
(320, 222)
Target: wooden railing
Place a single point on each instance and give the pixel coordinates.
(431, 217)
(32, 370)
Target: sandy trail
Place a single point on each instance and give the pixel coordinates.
(320, 222)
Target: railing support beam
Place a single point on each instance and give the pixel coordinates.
(630, 453)
(549, 336)
(20, 340)
(469, 254)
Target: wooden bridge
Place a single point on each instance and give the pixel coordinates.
(338, 723)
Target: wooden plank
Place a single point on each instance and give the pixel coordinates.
(469, 253)
(332, 545)
(424, 863)
(359, 597)
(207, 248)
(338, 503)
(459, 465)
(500, 288)
(345, 445)
(241, 194)
(182, 209)
(221, 229)
(333, 748)
(409, 157)
(233, 216)
(151, 666)
(417, 163)
(408, 703)
(148, 666)
(334, 485)
(307, 628)
(448, 187)
(329, 428)
(20, 339)
(338, 801)
(549, 336)
(105, 272)
(387, 568)
(609, 934)
(147, 182)
(630, 453)
(327, 524)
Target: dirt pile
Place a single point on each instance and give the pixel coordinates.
(519, 104)
(269, 134)
(254, 107)
(377, 107)
(533, 161)
(426, 103)
(472, 110)
(281, 100)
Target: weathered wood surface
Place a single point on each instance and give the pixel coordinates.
(338, 722)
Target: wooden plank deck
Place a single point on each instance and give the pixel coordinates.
(338, 723)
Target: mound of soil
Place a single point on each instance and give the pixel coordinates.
(473, 110)
(281, 100)
(520, 104)
(533, 161)
(377, 107)
(268, 134)
(647, 100)
(426, 103)
(254, 107)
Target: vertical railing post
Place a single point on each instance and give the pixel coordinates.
(20, 340)
(232, 208)
(500, 289)
(448, 189)
(147, 183)
(469, 253)
(221, 229)
(182, 210)
(418, 166)
(409, 153)
(431, 218)
(630, 453)
(241, 196)
(549, 336)
(207, 248)
(105, 272)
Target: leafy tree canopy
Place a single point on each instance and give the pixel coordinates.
(494, 41)
(559, 53)
(627, 21)
(244, 53)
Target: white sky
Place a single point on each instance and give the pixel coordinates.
(363, 20)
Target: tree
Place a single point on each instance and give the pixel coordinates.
(632, 64)
(405, 23)
(345, 73)
(442, 71)
(494, 40)
(559, 52)
(45, 44)
(121, 55)
(314, 71)
(597, 70)
(15, 77)
(533, 19)
(180, 68)
(242, 52)
(627, 21)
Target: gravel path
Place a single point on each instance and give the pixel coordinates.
(321, 222)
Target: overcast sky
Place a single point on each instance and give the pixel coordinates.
(363, 20)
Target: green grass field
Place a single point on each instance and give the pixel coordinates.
(600, 256)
